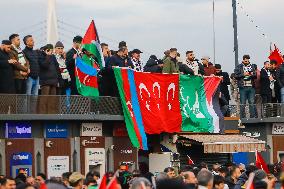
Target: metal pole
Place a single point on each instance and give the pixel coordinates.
(235, 26)
(214, 36)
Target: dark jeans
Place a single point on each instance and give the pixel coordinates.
(247, 94)
(266, 98)
(21, 86)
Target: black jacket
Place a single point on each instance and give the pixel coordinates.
(265, 82)
(280, 76)
(116, 60)
(224, 84)
(239, 74)
(230, 182)
(152, 66)
(70, 64)
(7, 83)
(49, 70)
(241, 181)
(33, 58)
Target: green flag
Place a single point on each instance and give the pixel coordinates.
(195, 115)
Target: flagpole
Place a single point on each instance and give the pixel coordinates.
(214, 34)
(235, 26)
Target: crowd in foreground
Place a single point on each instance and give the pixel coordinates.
(50, 70)
(229, 176)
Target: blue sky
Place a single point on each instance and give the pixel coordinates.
(156, 25)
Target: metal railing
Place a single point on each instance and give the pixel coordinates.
(25, 104)
(269, 110)
(59, 104)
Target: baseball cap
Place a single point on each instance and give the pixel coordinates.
(136, 51)
(76, 176)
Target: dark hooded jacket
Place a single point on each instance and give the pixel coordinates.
(152, 65)
(49, 70)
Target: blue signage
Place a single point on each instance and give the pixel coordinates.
(21, 161)
(18, 130)
(21, 158)
(56, 130)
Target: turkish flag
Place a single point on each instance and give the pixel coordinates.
(113, 184)
(103, 183)
(276, 55)
(158, 96)
(260, 163)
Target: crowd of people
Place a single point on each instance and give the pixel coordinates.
(228, 176)
(51, 71)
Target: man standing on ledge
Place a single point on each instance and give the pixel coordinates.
(170, 63)
(70, 62)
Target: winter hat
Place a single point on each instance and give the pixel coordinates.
(122, 44)
(59, 44)
(259, 175)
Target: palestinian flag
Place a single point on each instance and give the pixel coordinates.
(210, 91)
(156, 103)
(91, 48)
(86, 79)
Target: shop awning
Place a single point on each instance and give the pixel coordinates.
(225, 143)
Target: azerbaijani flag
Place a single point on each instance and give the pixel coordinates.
(155, 103)
(86, 79)
(91, 43)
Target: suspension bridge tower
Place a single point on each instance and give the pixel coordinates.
(52, 27)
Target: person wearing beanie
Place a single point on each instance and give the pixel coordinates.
(71, 55)
(59, 44)
(122, 44)
(7, 66)
(209, 69)
(64, 81)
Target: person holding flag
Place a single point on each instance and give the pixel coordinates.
(71, 55)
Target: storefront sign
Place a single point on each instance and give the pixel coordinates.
(91, 129)
(91, 141)
(56, 131)
(252, 134)
(56, 165)
(21, 160)
(278, 129)
(18, 130)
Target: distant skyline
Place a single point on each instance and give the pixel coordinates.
(155, 25)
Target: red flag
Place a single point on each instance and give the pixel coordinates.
(103, 184)
(190, 161)
(260, 163)
(158, 95)
(113, 184)
(42, 186)
(276, 55)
